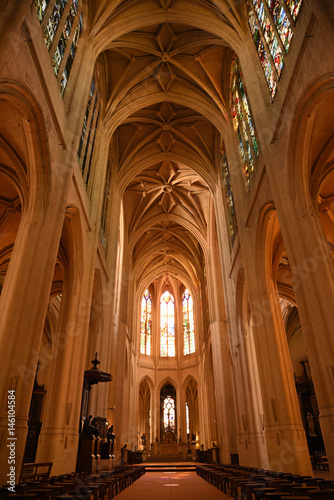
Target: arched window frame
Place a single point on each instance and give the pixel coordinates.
(271, 23)
(167, 326)
(243, 122)
(168, 397)
(62, 24)
(188, 323)
(146, 324)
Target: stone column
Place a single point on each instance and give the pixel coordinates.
(58, 442)
(252, 448)
(285, 435)
(313, 280)
(27, 290)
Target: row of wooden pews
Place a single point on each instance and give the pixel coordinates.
(248, 483)
(81, 486)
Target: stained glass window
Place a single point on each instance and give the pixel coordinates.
(231, 216)
(294, 7)
(146, 324)
(64, 37)
(187, 419)
(84, 126)
(188, 323)
(167, 325)
(243, 123)
(40, 6)
(70, 59)
(88, 133)
(269, 35)
(53, 22)
(281, 22)
(262, 53)
(70, 29)
(169, 412)
(270, 26)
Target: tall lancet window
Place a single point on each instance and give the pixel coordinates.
(146, 324)
(89, 129)
(230, 208)
(167, 325)
(187, 418)
(61, 22)
(188, 323)
(271, 23)
(243, 123)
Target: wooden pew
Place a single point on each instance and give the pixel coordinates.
(33, 472)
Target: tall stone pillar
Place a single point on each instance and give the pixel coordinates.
(313, 280)
(58, 442)
(285, 436)
(252, 447)
(27, 290)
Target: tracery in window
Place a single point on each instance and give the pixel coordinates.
(188, 323)
(270, 23)
(40, 6)
(281, 21)
(64, 37)
(243, 123)
(167, 325)
(70, 59)
(53, 22)
(146, 324)
(62, 30)
(88, 133)
(230, 208)
(168, 413)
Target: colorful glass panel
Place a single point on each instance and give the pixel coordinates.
(169, 412)
(167, 325)
(60, 50)
(91, 150)
(269, 35)
(70, 59)
(146, 324)
(248, 117)
(188, 323)
(262, 54)
(84, 126)
(294, 7)
(281, 21)
(231, 217)
(53, 22)
(40, 6)
(243, 124)
(91, 133)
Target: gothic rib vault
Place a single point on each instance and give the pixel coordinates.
(168, 82)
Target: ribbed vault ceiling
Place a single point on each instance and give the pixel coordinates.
(166, 66)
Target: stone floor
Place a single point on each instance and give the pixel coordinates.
(171, 485)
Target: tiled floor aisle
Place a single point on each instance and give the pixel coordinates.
(171, 486)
